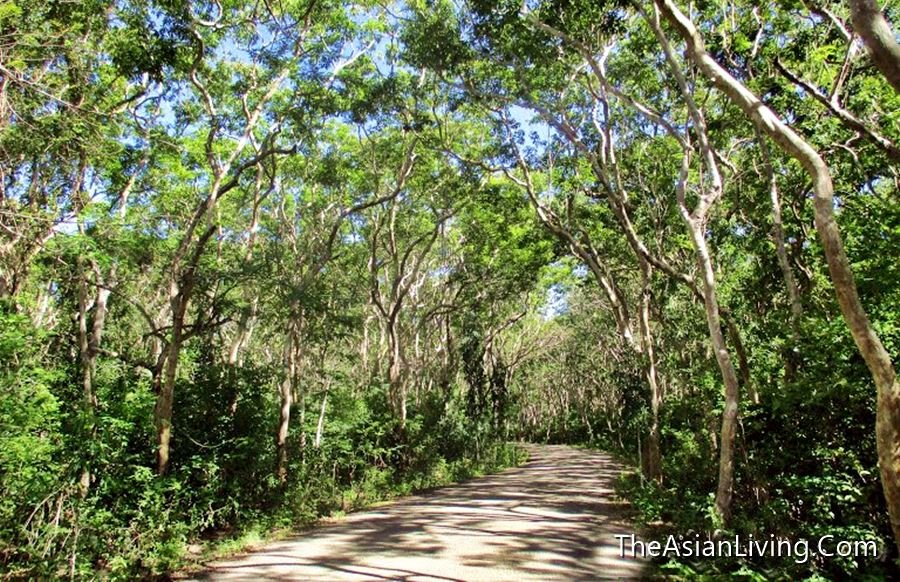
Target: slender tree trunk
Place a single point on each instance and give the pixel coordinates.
(248, 316)
(243, 333)
(725, 487)
(302, 398)
(654, 455)
(166, 397)
(887, 423)
(320, 426)
(90, 399)
(96, 337)
(43, 304)
(286, 396)
(618, 305)
(396, 375)
(585, 418)
(743, 363)
(790, 282)
(364, 347)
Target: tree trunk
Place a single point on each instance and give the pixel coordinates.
(364, 348)
(320, 426)
(710, 191)
(790, 282)
(725, 487)
(165, 398)
(90, 399)
(870, 24)
(181, 287)
(244, 333)
(396, 375)
(654, 455)
(286, 394)
(248, 316)
(887, 424)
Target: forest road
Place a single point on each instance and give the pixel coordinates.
(553, 518)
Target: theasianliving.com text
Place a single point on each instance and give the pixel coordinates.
(697, 546)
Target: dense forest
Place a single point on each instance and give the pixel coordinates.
(263, 261)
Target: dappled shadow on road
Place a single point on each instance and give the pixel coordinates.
(553, 518)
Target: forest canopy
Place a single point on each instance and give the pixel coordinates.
(261, 261)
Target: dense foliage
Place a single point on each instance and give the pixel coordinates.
(260, 262)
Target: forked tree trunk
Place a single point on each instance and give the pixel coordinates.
(181, 288)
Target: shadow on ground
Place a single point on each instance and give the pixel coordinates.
(553, 518)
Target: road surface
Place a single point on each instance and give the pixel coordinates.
(553, 518)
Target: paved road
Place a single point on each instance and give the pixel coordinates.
(553, 518)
